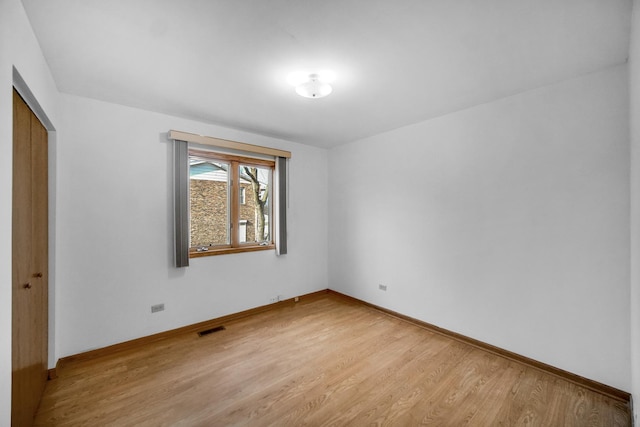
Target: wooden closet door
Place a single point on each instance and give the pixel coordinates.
(30, 263)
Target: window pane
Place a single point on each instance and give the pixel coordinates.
(209, 198)
(256, 212)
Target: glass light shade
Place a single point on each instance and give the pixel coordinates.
(314, 89)
(312, 84)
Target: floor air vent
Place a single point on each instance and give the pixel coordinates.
(210, 331)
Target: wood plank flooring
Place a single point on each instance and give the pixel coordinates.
(325, 361)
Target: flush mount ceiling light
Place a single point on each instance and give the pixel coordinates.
(312, 84)
(314, 87)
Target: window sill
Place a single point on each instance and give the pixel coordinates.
(223, 251)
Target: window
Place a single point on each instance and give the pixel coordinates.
(265, 227)
(230, 203)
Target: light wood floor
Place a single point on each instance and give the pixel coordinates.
(326, 361)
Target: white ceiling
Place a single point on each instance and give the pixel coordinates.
(397, 61)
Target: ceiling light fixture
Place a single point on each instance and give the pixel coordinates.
(312, 84)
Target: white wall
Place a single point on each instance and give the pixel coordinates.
(19, 49)
(634, 90)
(114, 228)
(507, 222)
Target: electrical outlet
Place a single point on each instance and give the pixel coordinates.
(156, 308)
(382, 287)
(277, 298)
